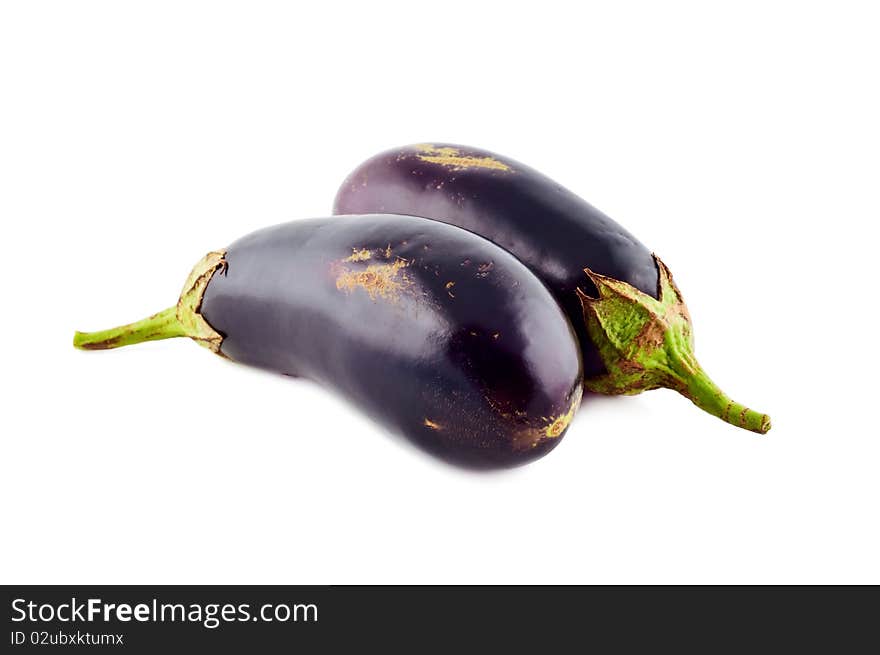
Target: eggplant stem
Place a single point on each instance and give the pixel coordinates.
(182, 320)
(647, 343)
(706, 395)
(162, 325)
(691, 381)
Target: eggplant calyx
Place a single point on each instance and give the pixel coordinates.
(647, 343)
(182, 320)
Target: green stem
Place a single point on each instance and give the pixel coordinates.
(163, 325)
(183, 320)
(647, 343)
(706, 395)
(691, 381)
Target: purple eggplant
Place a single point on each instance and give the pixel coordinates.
(436, 332)
(633, 326)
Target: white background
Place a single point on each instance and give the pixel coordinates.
(738, 140)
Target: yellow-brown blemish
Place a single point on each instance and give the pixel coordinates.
(453, 158)
(388, 252)
(559, 423)
(385, 281)
(358, 255)
(449, 286)
(431, 424)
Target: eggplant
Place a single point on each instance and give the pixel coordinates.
(436, 332)
(633, 326)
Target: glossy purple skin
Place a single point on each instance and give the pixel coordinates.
(550, 229)
(439, 334)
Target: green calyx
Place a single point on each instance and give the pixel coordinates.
(646, 343)
(182, 320)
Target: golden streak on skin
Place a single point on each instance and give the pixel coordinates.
(559, 424)
(431, 424)
(452, 157)
(378, 280)
(532, 437)
(358, 255)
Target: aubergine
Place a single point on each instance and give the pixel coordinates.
(633, 326)
(436, 332)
